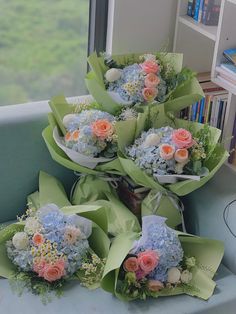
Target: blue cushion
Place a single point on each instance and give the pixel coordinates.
(23, 155)
(78, 300)
(204, 212)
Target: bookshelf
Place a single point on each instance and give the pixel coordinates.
(208, 31)
(203, 48)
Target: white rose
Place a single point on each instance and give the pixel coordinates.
(20, 240)
(186, 276)
(152, 140)
(68, 119)
(112, 75)
(32, 225)
(173, 275)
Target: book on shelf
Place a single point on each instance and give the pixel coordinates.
(230, 54)
(204, 11)
(211, 108)
(190, 8)
(232, 157)
(211, 12)
(198, 10)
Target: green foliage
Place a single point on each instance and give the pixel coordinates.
(31, 282)
(43, 49)
(91, 271)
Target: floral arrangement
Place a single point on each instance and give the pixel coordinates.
(134, 80)
(169, 151)
(141, 82)
(91, 132)
(51, 249)
(86, 135)
(155, 263)
(161, 262)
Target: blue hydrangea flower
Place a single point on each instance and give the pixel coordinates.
(148, 158)
(157, 236)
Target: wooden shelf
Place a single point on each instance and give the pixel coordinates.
(208, 31)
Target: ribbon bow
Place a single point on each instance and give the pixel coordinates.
(174, 200)
(108, 178)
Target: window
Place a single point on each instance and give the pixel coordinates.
(43, 49)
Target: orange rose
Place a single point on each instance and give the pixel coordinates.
(149, 94)
(102, 128)
(68, 136)
(182, 138)
(38, 239)
(75, 135)
(53, 272)
(167, 151)
(150, 66)
(131, 264)
(181, 155)
(151, 80)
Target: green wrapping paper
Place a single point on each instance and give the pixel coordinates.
(185, 94)
(166, 206)
(52, 191)
(95, 190)
(158, 118)
(208, 254)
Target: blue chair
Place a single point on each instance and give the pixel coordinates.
(24, 154)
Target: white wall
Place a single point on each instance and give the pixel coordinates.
(140, 25)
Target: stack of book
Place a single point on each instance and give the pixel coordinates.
(132, 195)
(210, 109)
(226, 72)
(204, 11)
(232, 157)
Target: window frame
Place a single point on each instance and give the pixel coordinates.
(98, 17)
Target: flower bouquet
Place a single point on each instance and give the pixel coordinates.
(161, 262)
(128, 80)
(179, 154)
(84, 138)
(50, 246)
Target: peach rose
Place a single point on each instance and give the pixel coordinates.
(38, 239)
(155, 285)
(131, 264)
(149, 94)
(148, 260)
(53, 272)
(181, 155)
(68, 136)
(102, 128)
(150, 66)
(167, 151)
(182, 138)
(75, 135)
(151, 80)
